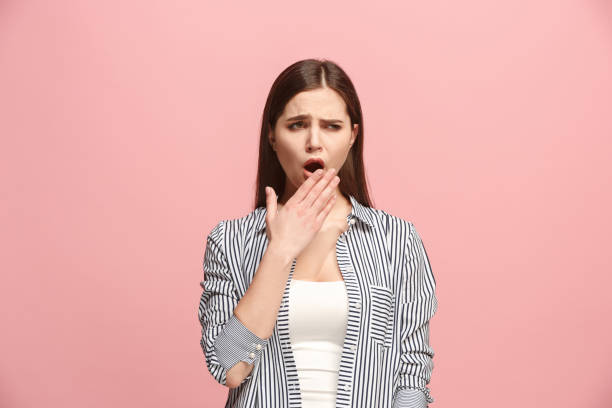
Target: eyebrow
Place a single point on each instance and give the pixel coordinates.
(302, 117)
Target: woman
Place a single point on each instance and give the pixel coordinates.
(330, 307)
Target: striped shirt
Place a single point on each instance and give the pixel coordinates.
(386, 359)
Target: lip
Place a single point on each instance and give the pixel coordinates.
(314, 160)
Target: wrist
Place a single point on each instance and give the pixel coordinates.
(279, 253)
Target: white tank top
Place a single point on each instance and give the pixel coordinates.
(318, 316)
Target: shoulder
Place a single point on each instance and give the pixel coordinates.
(399, 232)
(391, 223)
(236, 227)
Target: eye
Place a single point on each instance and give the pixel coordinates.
(293, 124)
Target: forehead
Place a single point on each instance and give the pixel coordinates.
(322, 102)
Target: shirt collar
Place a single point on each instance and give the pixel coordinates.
(361, 212)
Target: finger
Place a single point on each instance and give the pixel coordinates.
(303, 190)
(323, 214)
(327, 192)
(271, 203)
(316, 190)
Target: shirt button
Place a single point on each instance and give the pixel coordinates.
(358, 305)
(252, 355)
(352, 221)
(258, 347)
(352, 347)
(347, 387)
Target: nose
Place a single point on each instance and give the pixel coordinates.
(313, 142)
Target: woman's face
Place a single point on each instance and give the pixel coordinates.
(314, 124)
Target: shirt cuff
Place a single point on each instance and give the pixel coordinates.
(237, 343)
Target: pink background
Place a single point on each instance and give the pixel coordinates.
(130, 128)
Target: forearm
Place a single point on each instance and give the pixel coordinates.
(257, 310)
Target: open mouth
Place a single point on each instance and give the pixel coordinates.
(313, 166)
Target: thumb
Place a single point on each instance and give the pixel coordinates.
(271, 202)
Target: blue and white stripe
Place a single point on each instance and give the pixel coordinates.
(386, 361)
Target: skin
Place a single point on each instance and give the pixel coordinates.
(305, 222)
(295, 141)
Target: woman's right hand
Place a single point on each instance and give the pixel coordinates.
(292, 227)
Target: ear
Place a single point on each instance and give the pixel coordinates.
(354, 134)
(271, 139)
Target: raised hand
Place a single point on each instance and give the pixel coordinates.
(294, 226)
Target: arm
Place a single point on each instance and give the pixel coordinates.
(416, 361)
(236, 331)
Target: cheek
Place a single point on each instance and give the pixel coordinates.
(339, 155)
(287, 158)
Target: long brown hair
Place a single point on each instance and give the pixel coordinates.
(302, 76)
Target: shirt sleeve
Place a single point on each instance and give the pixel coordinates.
(416, 360)
(225, 339)
(411, 397)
